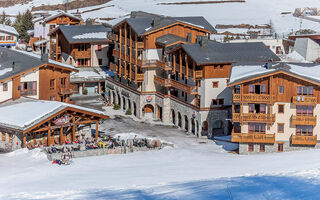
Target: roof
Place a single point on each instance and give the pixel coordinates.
(38, 110)
(169, 39)
(61, 14)
(88, 75)
(215, 52)
(242, 73)
(23, 61)
(143, 23)
(84, 34)
(8, 29)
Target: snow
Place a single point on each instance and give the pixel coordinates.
(295, 56)
(4, 71)
(242, 71)
(191, 170)
(97, 35)
(34, 110)
(89, 74)
(8, 29)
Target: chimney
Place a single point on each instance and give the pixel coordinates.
(45, 57)
(204, 42)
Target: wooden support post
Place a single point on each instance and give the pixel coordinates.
(187, 66)
(125, 50)
(61, 136)
(49, 137)
(180, 60)
(120, 49)
(73, 130)
(97, 130)
(136, 63)
(130, 58)
(174, 63)
(57, 41)
(24, 141)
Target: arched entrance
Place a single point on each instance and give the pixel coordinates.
(134, 109)
(179, 120)
(119, 100)
(114, 97)
(129, 104)
(159, 112)
(173, 115)
(186, 123)
(148, 111)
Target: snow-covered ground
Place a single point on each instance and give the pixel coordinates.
(194, 168)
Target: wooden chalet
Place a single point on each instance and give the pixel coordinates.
(29, 75)
(47, 122)
(275, 107)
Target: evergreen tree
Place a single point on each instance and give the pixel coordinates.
(24, 23)
(3, 17)
(8, 22)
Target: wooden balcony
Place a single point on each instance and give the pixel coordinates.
(139, 77)
(253, 138)
(81, 54)
(68, 90)
(198, 74)
(304, 100)
(254, 117)
(140, 45)
(303, 140)
(163, 65)
(149, 64)
(253, 98)
(193, 90)
(116, 53)
(114, 37)
(58, 50)
(113, 67)
(304, 120)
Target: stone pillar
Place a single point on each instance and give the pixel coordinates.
(199, 130)
(166, 111)
(183, 122)
(190, 125)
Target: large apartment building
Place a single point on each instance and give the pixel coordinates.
(275, 107)
(167, 69)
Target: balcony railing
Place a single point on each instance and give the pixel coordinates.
(162, 81)
(140, 45)
(149, 63)
(304, 120)
(163, 65)
(254, 117)
(253, 98)
(303, 140)
(65, 90)
(139, 77)
(253, 138)
(304, 100)
(117, 53)
(199, 74)
(193, 90)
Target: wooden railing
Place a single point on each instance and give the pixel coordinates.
(172, 83)
(199, 74)
(259, 98)
(140, 45)
(303, 140)
(304, 100)
(304, 120)
(70, 89)
(253, 138)
(81, 54)
(139, 77)
(163, 65)
(162, 81)
(117, 53)
(254, 117)
(149, 63)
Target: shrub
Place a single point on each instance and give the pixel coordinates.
(116, 107)
(128, 112)
(85, 91)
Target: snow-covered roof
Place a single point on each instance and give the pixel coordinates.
(307, 71)
(61, 14)
(35, 111)
(8, 29)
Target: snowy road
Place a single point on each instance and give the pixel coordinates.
(190, 170)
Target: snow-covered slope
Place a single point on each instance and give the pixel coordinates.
(250, 12)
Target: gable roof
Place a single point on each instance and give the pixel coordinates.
(215, 52)
(84, 34)
(143, 23)
(169, 39)
(243, 73)
(59, 14)
(38, 111)
(23, 61)
(8, 29)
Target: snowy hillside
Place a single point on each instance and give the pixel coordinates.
(251, 12)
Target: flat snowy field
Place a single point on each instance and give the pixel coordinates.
(194, 169)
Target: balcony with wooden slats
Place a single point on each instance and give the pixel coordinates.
(303, 140)
(162, 81)
(304, 100)
(193, 90)
(304, 120)
(149, 63)
(164, 65)
(254, 117)
(68, 90)
(140, 45)
(139, 77)
(254, 98)
(253, 138)
(198, 74)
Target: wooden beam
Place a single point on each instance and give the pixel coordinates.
(130, 54)
(49, 136)
(125, 50)
(61, 136)
(187, 65)
(24, 140)
(97, 130)
(73, 130)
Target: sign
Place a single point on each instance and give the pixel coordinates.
(62, 120)
(149, 99)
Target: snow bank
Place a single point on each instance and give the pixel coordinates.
(4, 71)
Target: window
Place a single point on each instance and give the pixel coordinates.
(221, 101)
(100, 62)
(280, 108)
(237, 89)
(215, 84)
(83, 47)
(280, 128)
(216, 102)
(262, 148)
(257, 128)
(257, 89)
(182, 94)
(99, 47)
(281, 89)
(215, 66)
(306, 91)
(280, 147)
(221, 66)
(304, 130)
(28, 88)
(250, 147)
(52, 98)
(52, 84)
(305, 110)
(63, 81)
(5, 87)
(257, 108)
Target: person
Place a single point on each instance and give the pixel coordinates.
(53, 149)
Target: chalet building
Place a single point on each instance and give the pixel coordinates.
(44, 25)
(80, 46)
(46, 123)
(167, 69)
(275, 107)
(24, 74)
(8, 36)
